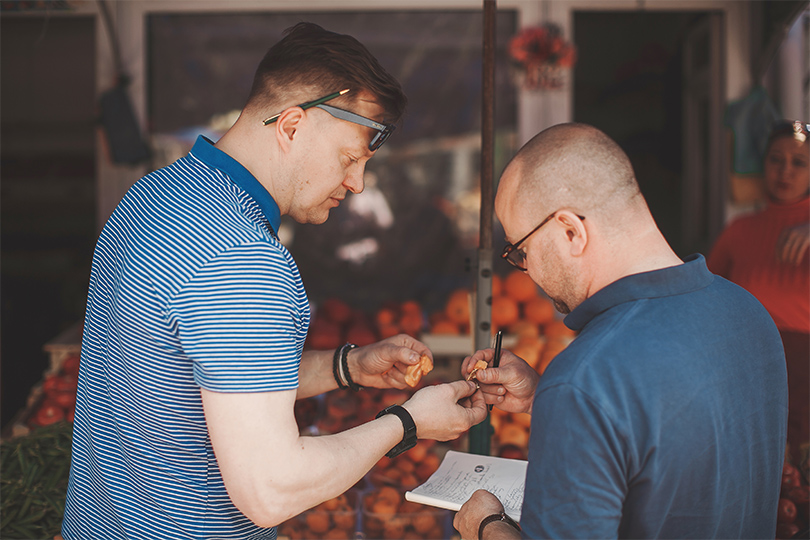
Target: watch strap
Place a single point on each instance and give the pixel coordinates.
(409, 436)
(501, 516)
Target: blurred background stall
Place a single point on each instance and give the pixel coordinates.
(92, 99)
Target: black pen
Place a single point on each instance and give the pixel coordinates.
(496, 361)
(308, 105)
(498, 340)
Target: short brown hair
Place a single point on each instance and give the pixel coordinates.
(310, 62)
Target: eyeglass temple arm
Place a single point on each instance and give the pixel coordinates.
(309, 104)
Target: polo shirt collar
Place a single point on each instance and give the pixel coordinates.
(205, 151)
(683, 278)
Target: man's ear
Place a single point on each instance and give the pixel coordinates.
(287, 126)
(575, 231)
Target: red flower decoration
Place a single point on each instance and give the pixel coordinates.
(540, 54)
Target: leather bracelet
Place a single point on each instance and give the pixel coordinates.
(336, 368)
(501, 516)
(344, 362)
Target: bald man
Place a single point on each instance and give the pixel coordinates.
(666, 416)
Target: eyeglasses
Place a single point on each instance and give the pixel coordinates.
(517, 258)
(383, 130)
(799, 130)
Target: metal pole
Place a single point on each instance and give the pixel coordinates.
(481, 434)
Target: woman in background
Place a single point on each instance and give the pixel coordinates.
(767, 254)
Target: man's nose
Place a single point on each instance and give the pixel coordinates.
(354, 180)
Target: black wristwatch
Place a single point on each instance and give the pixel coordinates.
(496, 517)
(409, 438)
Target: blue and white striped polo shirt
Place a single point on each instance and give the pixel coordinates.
(189, 288)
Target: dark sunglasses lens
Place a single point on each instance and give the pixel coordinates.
(380, 138)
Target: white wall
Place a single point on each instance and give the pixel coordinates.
(791, 66)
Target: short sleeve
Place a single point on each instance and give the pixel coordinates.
(242, 320)
(575, 482)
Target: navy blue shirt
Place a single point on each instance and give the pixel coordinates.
(665, 418)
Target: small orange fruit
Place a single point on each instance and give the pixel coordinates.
(525, 331)
(388, 330)
(531, 352)
(538, 310)
(505, 311)
(497, 285)
(558, 330)
(411, 323)
(360, 335)
(411, 306)
(457, 307)
(444, 327)
(519, 286)
(385, 316)
(323, 334)
(336, 310)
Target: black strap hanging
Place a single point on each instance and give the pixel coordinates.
(117, 114)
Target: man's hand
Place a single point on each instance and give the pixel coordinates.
(792, 245)
(445, 411)
(510, 387)
(468, 519)
(383, 364)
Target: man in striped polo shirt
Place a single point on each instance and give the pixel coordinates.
(192, 354)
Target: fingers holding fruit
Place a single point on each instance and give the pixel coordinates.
(510, 386)
(413, 374)
(472, 365)
(385, 364)
(443, 412)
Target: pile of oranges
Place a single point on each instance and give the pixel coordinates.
(388, 516)
(518, 308)
(335, 322)
(334, 519)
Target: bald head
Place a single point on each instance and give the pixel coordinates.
(575, 167)
(574, 171)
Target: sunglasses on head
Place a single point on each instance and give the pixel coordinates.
(799, 130)
(383, 130)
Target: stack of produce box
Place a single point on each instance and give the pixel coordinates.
(794, 501)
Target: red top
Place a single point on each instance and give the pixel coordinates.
(745, 253)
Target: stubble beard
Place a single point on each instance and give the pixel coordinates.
(561, 282)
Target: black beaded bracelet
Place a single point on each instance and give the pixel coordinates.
(335, 368)
(344, 353)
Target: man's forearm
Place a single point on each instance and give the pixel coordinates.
(315, 374)
(317, 469)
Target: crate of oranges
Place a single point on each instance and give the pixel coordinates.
(335, 519)
(388, 516)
